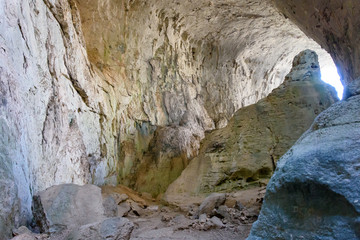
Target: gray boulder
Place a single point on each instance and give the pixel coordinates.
(67, 206)
(213, 201)
(315, 191)
(111, 229)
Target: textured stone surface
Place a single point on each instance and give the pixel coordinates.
(111, 228)
(51, 127)
(246, 151)
(314, 192)
(185, 68)
(336, 26)
(211, 202)
(67, 206)
(84, 85)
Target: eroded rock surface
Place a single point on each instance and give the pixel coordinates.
(86, 86)
(314, 192)
(67, 206)
(317, 176)
(246, 151)
(185, 68)
(111, 229)
(77, 212)
(335, 25)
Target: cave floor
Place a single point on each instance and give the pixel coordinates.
(159, 221)
(182, 227)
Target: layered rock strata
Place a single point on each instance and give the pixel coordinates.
(246, 152)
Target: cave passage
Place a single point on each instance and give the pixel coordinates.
(330, 75)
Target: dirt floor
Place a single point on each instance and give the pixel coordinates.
(157, 220)
(217, 216)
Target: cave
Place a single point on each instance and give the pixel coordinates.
(207, 119)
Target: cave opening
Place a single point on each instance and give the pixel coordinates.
(176, 112)
(330, 75)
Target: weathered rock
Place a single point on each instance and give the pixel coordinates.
(21, 230)
(170, 57)
(110, 207)
(213, 201)
(314, 193)
(67, 206)
(110, 228)
(123, 209)
(119, 198)
(246, 151)
(222, 212)
(136, 208)
(336, 26)
(25, 236)
(230, 202)
(23, 233)
(9, 200)
(217, 222)
(80, 113)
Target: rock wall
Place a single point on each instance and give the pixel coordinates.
(86, 85)
(52, 126)
(314, 191)
(335, 26)
(185, 68)
(245, 152)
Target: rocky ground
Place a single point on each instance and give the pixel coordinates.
(125, 214)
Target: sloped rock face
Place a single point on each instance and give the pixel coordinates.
(321, 168)
(246, 151)
(314, 192)
(186, 67)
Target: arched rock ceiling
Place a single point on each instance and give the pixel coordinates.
(335, 24)
(206, 57)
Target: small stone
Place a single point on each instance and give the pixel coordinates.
(136, 209)
(153, 208)
(211, 202)
(110, 207)
(222, 212)
(25, 236)
(202, 218)
(230, 202)
(123, 209)
(217, 222)
(166, 218)
(119, 198)
(239, 206)
(21, 230)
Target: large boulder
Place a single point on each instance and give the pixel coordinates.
(245, 152)
(315, 191)
(67, 206)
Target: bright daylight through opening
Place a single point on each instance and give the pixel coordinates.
(329, 74)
